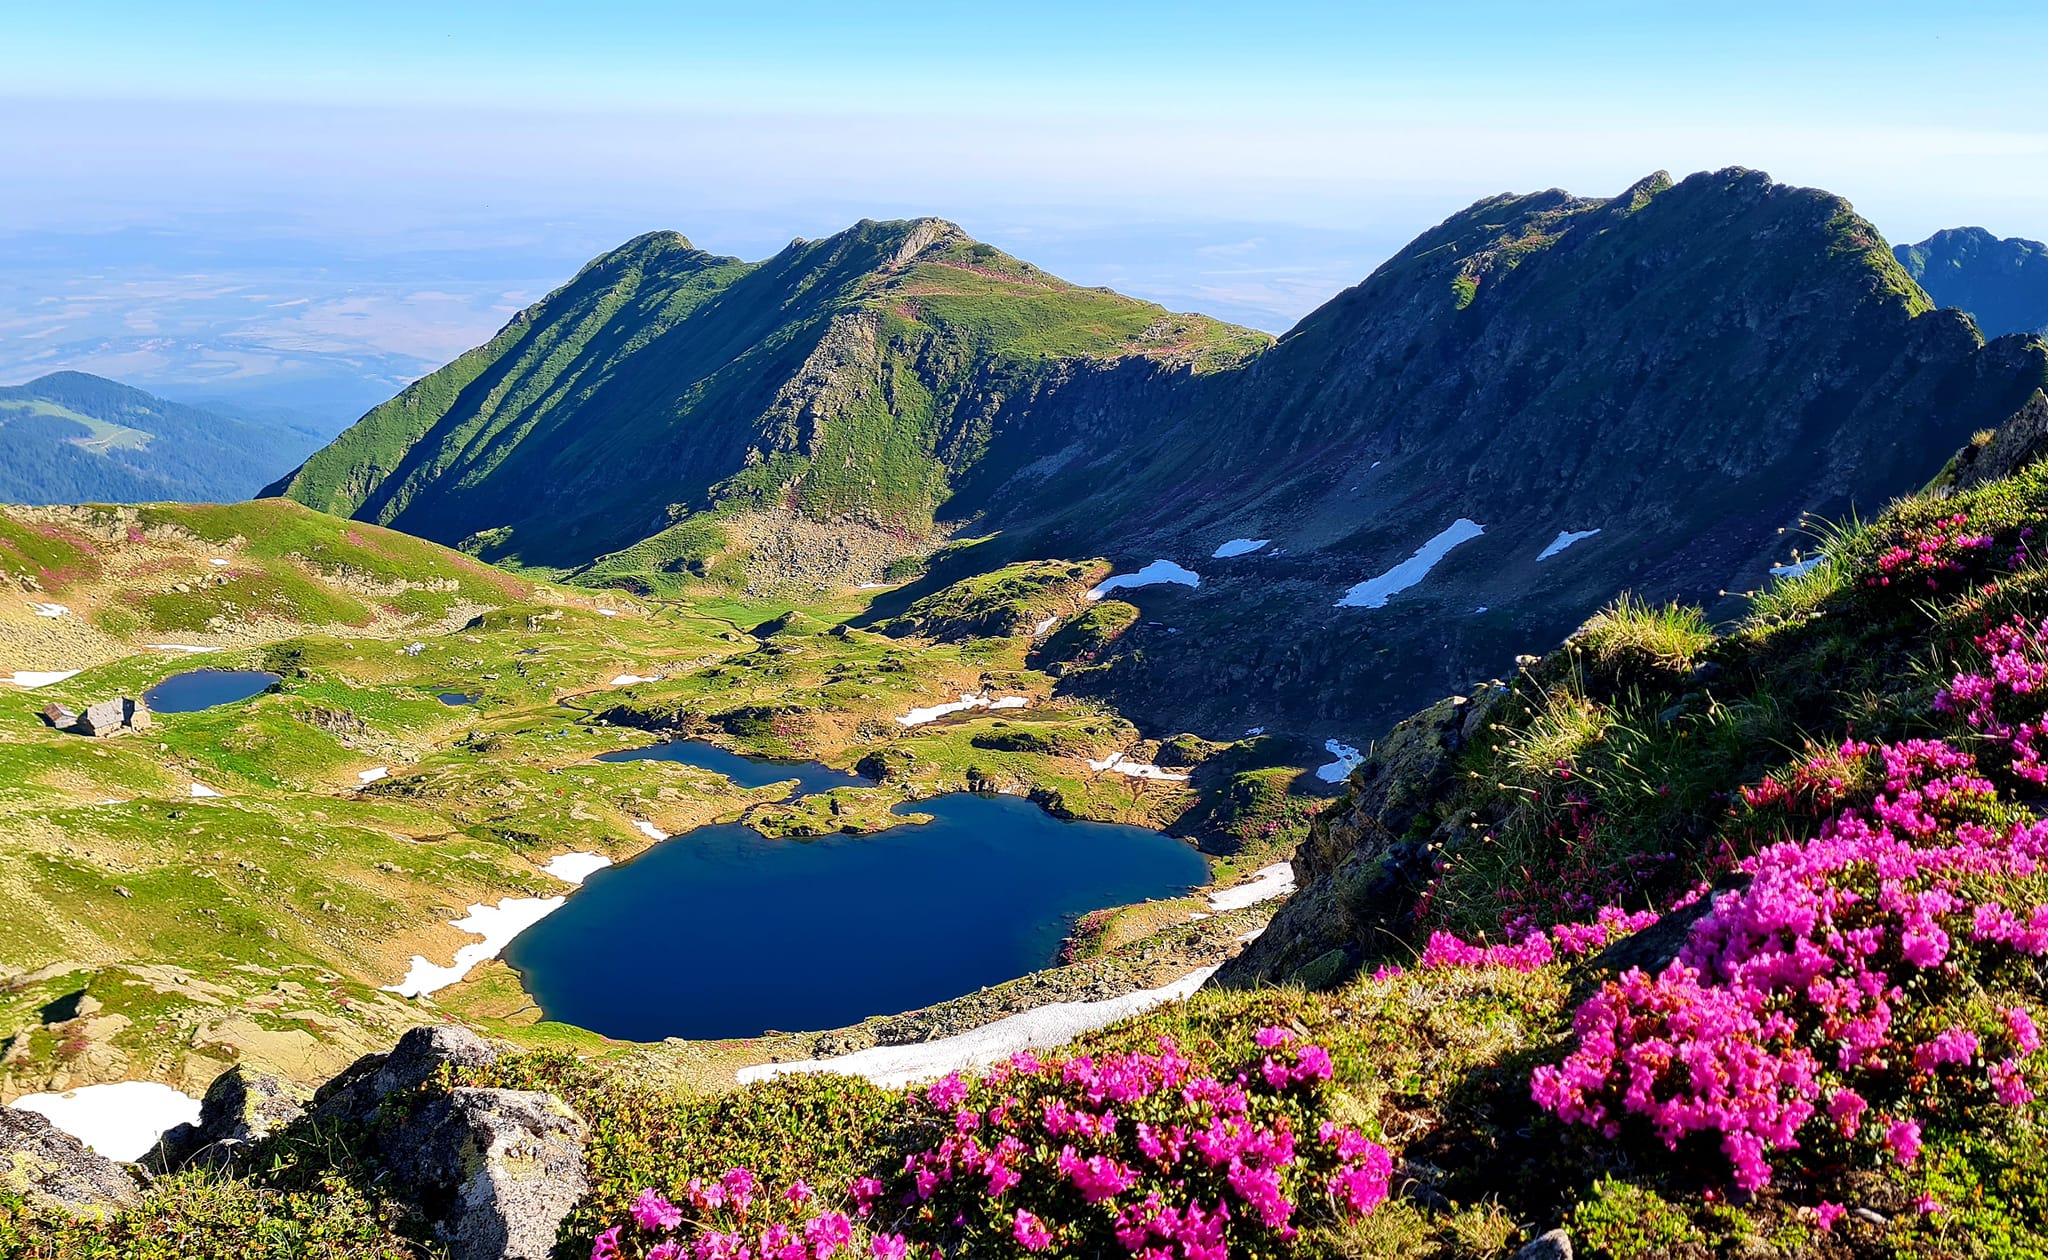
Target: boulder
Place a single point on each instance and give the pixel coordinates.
(51, 1170)
(494, 1170)
(1555, 1245)
(241, 1108)
(357, 1095)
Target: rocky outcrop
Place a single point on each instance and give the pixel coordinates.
(1354, 872)
(496, 1170)
(52, 1171)
(357, 1095)
(241, 1108)
(493, 1172)
(2015, 444)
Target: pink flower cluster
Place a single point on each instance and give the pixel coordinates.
(721, 1227)
(1140, 1151)
(2005, 702)
(1838, 978)
(1540, 946)
(1923, 559)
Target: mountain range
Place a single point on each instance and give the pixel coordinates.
(70, 437)
(1662, 382)
(2003, 284)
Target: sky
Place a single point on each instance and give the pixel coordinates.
(303, 206)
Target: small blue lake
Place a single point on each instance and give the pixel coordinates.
(748, 772)
(197, 689)
(724, 932)
(455, 699)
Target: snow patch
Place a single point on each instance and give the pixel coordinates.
(918, 717)
(121, 1121)
(1565, 538)
(574, 868)
(1038, 631)
(200, 789)
(627, 680)
(1347, 759)
(1265, 884)
(47, 610)
(874, 586)
(1374, 592)
(1152, 574)
(218, 563)
(1246, 938)
(649, 830)
(497, 925)
(1238, 547)
(374, 774)
(1136, 769)
(1051, 1025)
(29, 679)
(607, 612)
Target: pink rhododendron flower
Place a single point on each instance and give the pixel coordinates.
(1030, 1232)
(654, 1213)
(1904, 1140)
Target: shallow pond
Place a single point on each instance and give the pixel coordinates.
(197, 689)
(723, 932)
(455, 699)
(748, 772)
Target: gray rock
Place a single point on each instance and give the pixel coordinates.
(495, 1170)
(359, 1092)
(2020, 441)
(1352, 869)
(51, 1170)
(241, 1108)
(1555, 1245)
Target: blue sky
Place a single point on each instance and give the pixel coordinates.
(226, 194)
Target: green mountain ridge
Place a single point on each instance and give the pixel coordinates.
(2003, 284)
(71, 436)
(844, 377)
(1689, 368)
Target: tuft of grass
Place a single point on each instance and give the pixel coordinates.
(1632, 639)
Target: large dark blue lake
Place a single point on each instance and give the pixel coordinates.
(724, 932)
(197, 689)
(748, 772)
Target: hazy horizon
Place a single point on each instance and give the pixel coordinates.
(305, 209)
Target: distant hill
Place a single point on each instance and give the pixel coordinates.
(1685, 369)
(70, 437)
(2003, 284)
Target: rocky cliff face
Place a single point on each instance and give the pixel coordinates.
(2003, 284)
